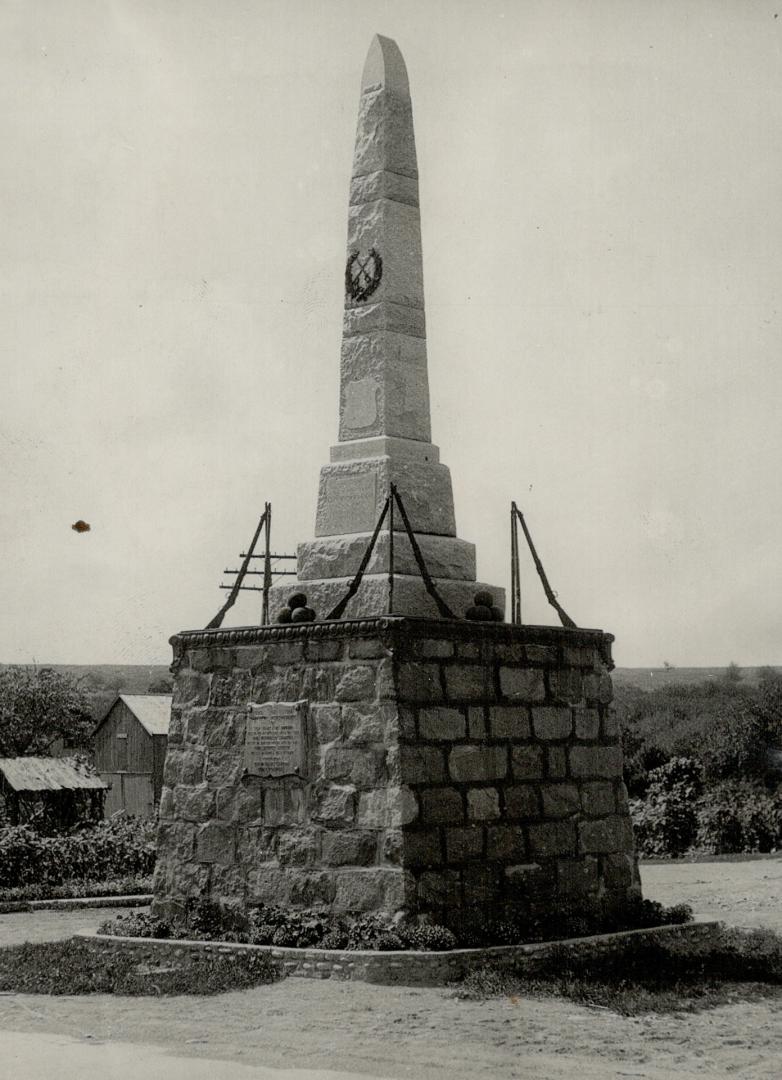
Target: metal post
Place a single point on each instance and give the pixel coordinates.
(391, 552)
(267, 565)
(515, 571)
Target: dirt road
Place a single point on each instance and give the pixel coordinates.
(354, 1030)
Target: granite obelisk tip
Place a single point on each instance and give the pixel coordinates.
(384, 68)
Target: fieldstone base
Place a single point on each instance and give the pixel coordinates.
(463, 770)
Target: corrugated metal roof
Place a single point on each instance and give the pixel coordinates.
(153, 711)
(48, 774)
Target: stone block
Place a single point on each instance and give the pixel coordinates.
(241, 803)
(439, 889)
(505, 842)
(441, 806)
(463, 843)
(577, 877)
(598, 689)
(390, 846)
(229, 729)
(513, 654)
(542, 654)
(527, 762)
(233, 689)
(328, 722)
(596, 761)
(356, 684)
(176, 728)
(387, 807)
(190, 688)
(269, 885)
(607, 835)
(522, 801)
(482, 885)
(284, 652)
(422, 848)
(560, 800)
(362, 767)
(619, 871)
(552, 722)
(367, 722)
(345, 848)
(367, 649)
(336, 805)
(530, 882)
(552, 838)
(312, 888)
(216, 844)
(193, 803)
(476, 720)
(431, 649)
(317, 650)
(300, 847)
(468, 650)
(597, 798)
(284, 805)
(610, 723)
(224, 767)
(371, 889)
(567, 685)
(420, 682)
(184, 765)
(483, 804)
(213, 660)
(522, 684)
(442, 723)
(509, 722)
(175, 842)
(468, 763)
(421, 764)
(587, 723)
(556, 762)
(473, 682)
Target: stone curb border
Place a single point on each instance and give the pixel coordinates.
(8, 907)
(405, 968)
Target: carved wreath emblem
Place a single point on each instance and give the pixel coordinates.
(362, 275)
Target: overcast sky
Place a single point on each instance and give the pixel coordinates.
(602, 228)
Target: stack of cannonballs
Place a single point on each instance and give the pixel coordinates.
(483, 609)
(297, 610)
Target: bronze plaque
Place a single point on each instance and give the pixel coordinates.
(274, 743)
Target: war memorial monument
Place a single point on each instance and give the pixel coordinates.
(392, 755)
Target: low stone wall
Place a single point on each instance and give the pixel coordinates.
(454, 768)
(406, 968)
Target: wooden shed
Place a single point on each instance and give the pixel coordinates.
(129, 749)
(54, 792)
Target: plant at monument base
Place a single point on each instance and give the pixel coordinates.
(428, 938)
(370, 932)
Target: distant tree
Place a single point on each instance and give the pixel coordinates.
(668, 665)
(38, 706)
(733, 674)
(161, 686)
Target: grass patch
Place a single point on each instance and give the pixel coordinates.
(650, 976)
(71, 967)
(71, 890)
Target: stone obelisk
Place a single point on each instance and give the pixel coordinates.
(384, 425)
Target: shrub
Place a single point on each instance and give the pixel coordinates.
(429, 938)
(739, 816)
(118, 848)
(666, 820)
(132, 886)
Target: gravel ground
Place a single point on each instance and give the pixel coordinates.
(376, 1031)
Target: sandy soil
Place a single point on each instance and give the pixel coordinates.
(397, 1032)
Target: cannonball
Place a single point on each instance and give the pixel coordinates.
(483, 599)
(284, 615)
(297, 600)
(498, 614)
(478, 613)
(303, 614)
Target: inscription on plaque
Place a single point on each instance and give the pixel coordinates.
(274, 744)
(350, 503)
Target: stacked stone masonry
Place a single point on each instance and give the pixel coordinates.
(463, 770)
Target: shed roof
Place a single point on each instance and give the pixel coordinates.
(153, 711)
(48, 774)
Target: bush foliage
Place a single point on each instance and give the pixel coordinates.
(702, 765)
(118, 848)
